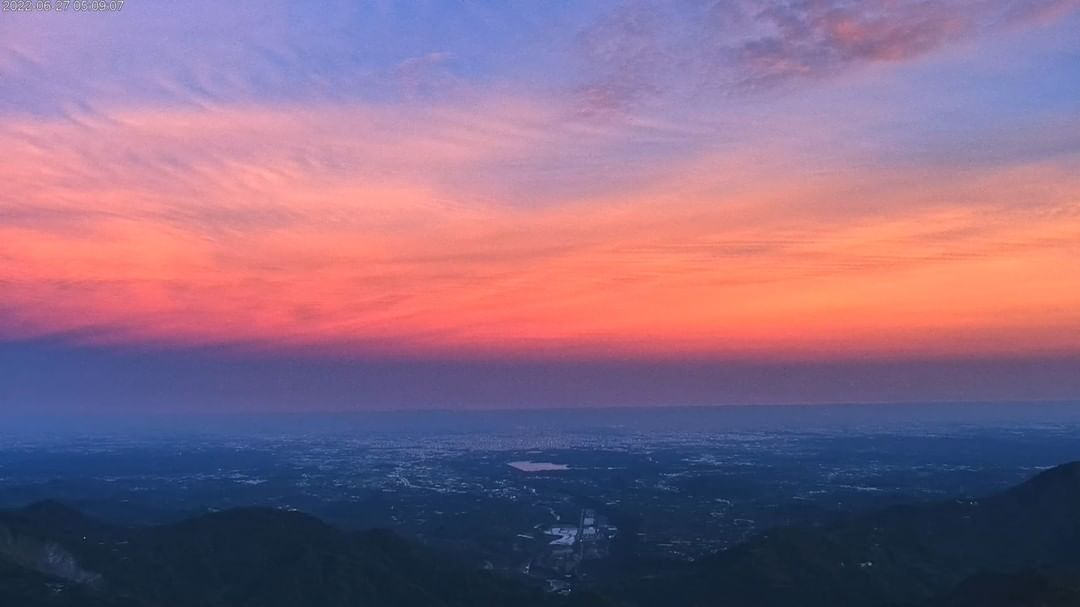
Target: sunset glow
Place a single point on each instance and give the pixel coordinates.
(823, 181)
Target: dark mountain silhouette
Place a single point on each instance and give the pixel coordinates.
(1019, 548)
(52, 555)
(900, 556)
(1027, 588)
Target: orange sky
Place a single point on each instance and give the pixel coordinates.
(865, 213)
(252, 237)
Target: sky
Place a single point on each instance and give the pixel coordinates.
(351, 205)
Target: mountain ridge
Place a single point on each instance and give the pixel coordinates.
(1020, 545)
(902, 555)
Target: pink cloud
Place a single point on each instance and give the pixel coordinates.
(641, 51)
(351, 226)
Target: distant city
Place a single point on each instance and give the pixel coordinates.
(561, 499)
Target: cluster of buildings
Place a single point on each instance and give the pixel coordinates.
(569, 545)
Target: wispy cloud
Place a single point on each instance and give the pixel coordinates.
(643, 50)
(643, 204)
(811, 39)
(352, 226)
